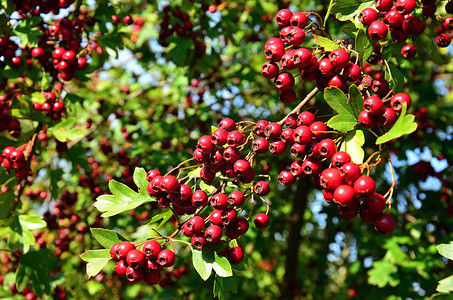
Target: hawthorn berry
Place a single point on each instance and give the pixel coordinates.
(384, 224)
(331, 178)
(235, 255)
(364, 186)
(344, 195)
(135, 259)
(377, 30)
(261, 221)
(151, 249)
(262, 188)
(213, 233)
(166, 258)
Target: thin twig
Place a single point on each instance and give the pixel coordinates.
(301, 104)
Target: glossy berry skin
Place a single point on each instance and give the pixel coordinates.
(121, 267)
(338, 81)
(297, 150)
(134, 275)
(286, 61)
(236, 198)
(377, 30)
(231, 154)
(260, 127)
(135, 259)
(216, 217)
(69, 56)
(199, 198)
(381, 87)
(262, 188)
(206, 174)
(152, 278)
(287, 136)
(286, 178)
(199, 241)
(366, 120)
(331, 178)
(291, 121)
(113, 250)
(305, 118)
(283, 17)
(228, 216)
(412, 25)
(151, 174)
(373, 105)
(443, 40)
(269, 70)
(293, 35)
(235, 138)
(349, 212)
(248, 176)
(274, 49)
(241, 166)
(260, 145)
(219, 137)
(195, 224)
(327, 148)
(352, 72)
(299, 20)
(311, 149)
(405, 7)
(296, 168)
(325, 67)
(344, 195)
(235, 255)
(301, 57)
(383, 5)
(302, 135)
(227, 124)
(123, 249)
(213, 233)
(287, 97)
(447, 23)
(151, 249)
(408, 51)
(273, 130)
(384, 224)
(312, 167)
(169, 183)
(393, 19)
(350, 172)
(318, 128)
(284, 81)
(368, 16)
(364, 186)
(374, 204)
(388, 117)
(237, 228)
(166, 258)
(339, 158)
(261, 221)
(339, 58)
(277, 147)
(396, 102)
(219, 201)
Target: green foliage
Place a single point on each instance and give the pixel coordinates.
(206, 260)
(404, 125)
(348, 109)
(352, 144)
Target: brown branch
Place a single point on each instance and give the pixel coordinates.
(301, 104)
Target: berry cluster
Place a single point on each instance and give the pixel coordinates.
(137, 265)
(8, 122)
(374, 112)
(333, 70)
(14, 159)
(55, 109)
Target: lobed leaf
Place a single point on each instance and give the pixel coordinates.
(107, 238)
(96, 260)
(348, 110)
(326, 43)
(404, 125)
(352, 144)
(446, 250)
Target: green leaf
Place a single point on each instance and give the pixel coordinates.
(182, 47)
(6, 203)
(21, 236)
(29, 34)
(208, 189)
(222, 266)
(363, 45)
(123, 199)
(327, 44)
(397, 83)
(355, 99)
(348, 9)
(67, 130)
(194, 174)
(203, 268)
(224, 286)
(352, 144)
(140, 180)
(96, 260)
(107, 238)
(329, 10)
(32, 222)
(445, 285)
(404, 125)
(36, 267)
(381, 274)
(347, 116)
(164, 216)
(446, 250)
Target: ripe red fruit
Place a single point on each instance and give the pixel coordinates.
(373, 105)
(287, 97)
(349, 212)
(301, 57)
(199, 198)
(287, 136)
(231, 154)
(287, 60)
(219, 201)
(152, 278)
(412, 25)
(213, 233)
(151, 249)
(330, 178)
(305, 118)
(166, 258)
(443, 40)
(227, 124)
(195, 224)
(339, 158)
(383, 5)
(261, 221)
(206, 174)
(269, 70)
(297, 150)
(260, 127)
(299, 19)
(262, 188)
(205, 144)
(228, 216)
(292, 35)
(235, 138)
(134, 275)
(113, 251)
(384, 224)
(352, 72)
(374, 204)
(339, 58)
(377, 30)
(237, 228)
(274, 49)
(216, 218)
(302, 135)
(318, 129)
(135, 259)
(397, 101)
(284, 81)
(277, 147)
(273, 130)
(121, 267)
(366, 120)
(236, 198)
(296, 168)
(260, 145)
(350, 172)
(169, 183)
(326, 148)
(283, 17)
(235, 255)
(199, 241)
(286, 178)
(69, 56)
(338, 81)
(325, 67)
(447, 23)
(344, 195)
(408, 51)
(364, 186)
(241, 166)
(388, 117)
(311, 167)
(123, 249)
(368, 16)
(405, 6)
(248, 176)
(393, 19)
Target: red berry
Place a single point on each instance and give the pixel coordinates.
(412, 25)
(339, 158)
(199, 198)
(327, 148)
(312, 167)
(350, 172)
(388, 117)
(235, 138)
(393, 19)
(260, 145)
(195, 224)
(384, 224)
(227, 124)
(121, 267)
(219, 137)
(408, 51)
(383, 5)
(236, 198)
(273, 130)
(344, 195)
(405, 6)
(213, 233)
(318, 129)
(269, 70)
(123, 249)
(368, 16)
(291, 121)
(397, 101)
(352, 72)
(301, 57)
(303, 135)
(306, 118)
(199, 241)
(169, 183)
(216, 217)
(228, 216)
(283, 17)
(325, 67)
(219, 201)
(277, 147)
(374, 204)
(166, 258)
(364, 186)
(284, 81)
(205, 144)
(373, 105)
(274, 49)
(261, 221)
(235, 255)
(134, 275)
(366, 120)
(299, 19)
(151, 249)
(339, 58)
(331, 178)
(260, 127)
(377, 30)
(286, 178)
(262, 188)
(135, 259)
(443, 40)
